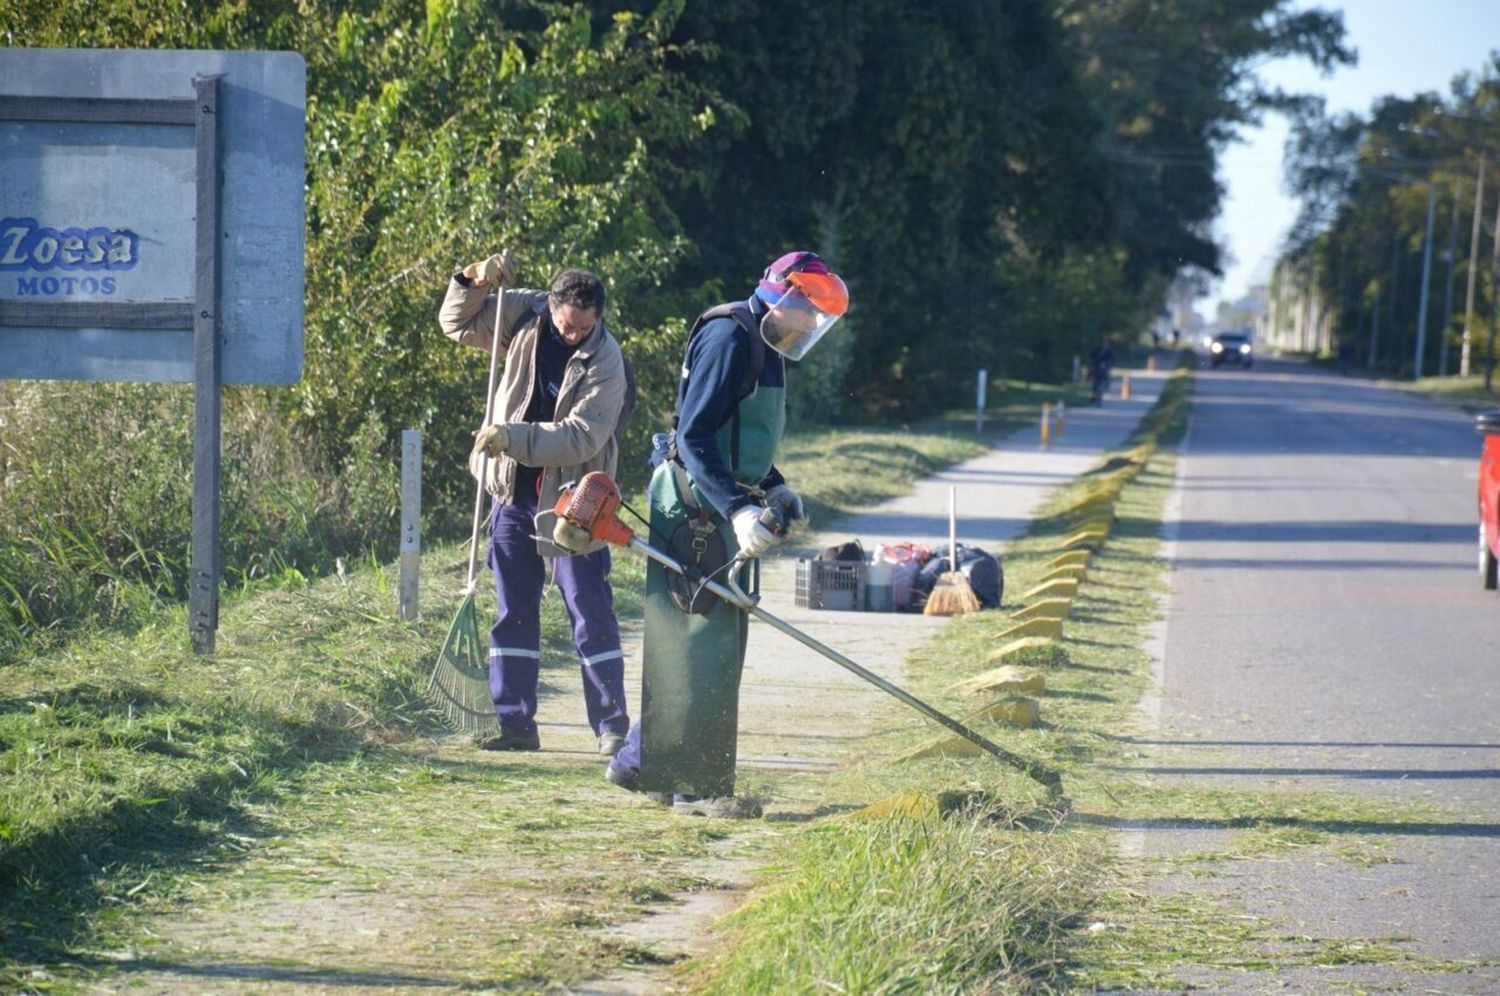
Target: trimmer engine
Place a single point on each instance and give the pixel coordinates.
(589, 512)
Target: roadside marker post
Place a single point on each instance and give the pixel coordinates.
(984, 376)
(411, 525)
(1046, 430)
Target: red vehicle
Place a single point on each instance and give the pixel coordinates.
(1489, 499)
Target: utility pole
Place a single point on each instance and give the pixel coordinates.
(1416, 363)
(1395, 296)
(1489, 363)
(1458, 190)
(1463, 356)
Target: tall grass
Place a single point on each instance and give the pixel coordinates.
(963, 903)
(95, 510)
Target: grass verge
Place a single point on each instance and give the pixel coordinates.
(136, 778)
(1464, 393)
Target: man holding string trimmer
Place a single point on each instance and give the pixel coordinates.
(564, 391)
(717, 502)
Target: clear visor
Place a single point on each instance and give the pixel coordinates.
(794, 324)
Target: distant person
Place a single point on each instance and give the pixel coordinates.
(555, 413)
(1101, 362)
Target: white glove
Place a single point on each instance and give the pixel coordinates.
(754, 538)
(492, 439)
(499, 268)
(789, 501)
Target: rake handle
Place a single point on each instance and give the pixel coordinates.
(952, 528)
(489, 412)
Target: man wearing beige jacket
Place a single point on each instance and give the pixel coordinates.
(555, 412)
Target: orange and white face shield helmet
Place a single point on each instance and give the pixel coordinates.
(806, 310)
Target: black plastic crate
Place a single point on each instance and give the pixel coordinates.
(831, 584)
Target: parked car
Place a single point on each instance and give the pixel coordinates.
(1489, 499)
(1231, 347)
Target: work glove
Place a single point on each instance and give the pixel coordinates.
(492, 440)
(753, 537)
(572, 538)
(789, 502)
(498, 269)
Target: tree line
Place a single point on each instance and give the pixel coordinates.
(1000, 184)
(1399, 213)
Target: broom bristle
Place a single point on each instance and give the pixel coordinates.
(951, 596)
(460, 684)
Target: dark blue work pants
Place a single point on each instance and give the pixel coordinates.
(515, 639)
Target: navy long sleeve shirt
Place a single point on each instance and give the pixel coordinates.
(707, 395)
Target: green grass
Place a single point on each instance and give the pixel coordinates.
(1464, 393)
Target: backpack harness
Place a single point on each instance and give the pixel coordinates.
(746, 320)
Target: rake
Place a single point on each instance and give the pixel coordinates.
(460, 685)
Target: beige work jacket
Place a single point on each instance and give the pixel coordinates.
(581, 436)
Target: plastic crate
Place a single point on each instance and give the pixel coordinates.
(831, 584)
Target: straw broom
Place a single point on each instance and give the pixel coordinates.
(952, 594)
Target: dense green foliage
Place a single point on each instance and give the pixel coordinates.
(1000, 184)
(1360, 241)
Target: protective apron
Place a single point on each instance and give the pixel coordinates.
(692, 660)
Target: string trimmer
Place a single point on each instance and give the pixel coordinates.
(589, 512)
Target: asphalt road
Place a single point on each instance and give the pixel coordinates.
(1326, 630)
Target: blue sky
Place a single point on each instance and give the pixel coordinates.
(1405, 47)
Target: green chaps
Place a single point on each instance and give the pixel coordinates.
(691, 664)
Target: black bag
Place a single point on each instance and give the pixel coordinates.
(982, 569)
(985, 575)
(852, 551)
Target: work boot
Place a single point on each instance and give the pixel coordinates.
(724, 807)
(610, 744)
(508, 739)
(629, 779)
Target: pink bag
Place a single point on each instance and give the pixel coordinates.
(901, 553)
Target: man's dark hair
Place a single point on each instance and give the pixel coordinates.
(580, 288)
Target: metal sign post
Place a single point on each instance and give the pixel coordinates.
(203, 592)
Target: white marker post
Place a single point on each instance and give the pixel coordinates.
(411, 522)
(984, 376)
